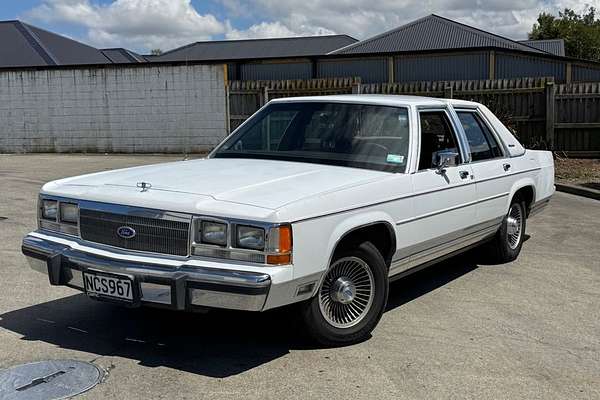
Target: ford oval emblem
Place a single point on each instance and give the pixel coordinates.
(126, 232)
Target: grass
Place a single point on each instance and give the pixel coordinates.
(583, 172)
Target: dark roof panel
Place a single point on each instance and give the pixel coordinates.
(256, 48)
(432, 33)
(122, 56)
(16, 49)
(67, 51)
(23, 45)
(554, 46)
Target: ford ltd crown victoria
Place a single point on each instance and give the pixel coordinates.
(320, 201)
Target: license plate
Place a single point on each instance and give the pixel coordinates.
(114, 286)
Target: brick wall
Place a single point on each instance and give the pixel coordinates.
(146, 109)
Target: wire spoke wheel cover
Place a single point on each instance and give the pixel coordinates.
(514, 226)
(347, 292)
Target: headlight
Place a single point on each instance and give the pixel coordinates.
(248, 237)
(213, 233)
(49, 209)
(59, 216)
(69, 213)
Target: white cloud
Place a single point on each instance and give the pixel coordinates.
(365, 18)
(137, 24)
(147, 24)
(276, 29)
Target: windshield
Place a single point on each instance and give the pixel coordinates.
(353, 135)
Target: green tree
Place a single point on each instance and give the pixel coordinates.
(581, 32)
(156, 52)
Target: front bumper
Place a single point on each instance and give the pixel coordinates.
(181, 287)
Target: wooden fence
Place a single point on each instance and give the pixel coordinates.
(543, 114)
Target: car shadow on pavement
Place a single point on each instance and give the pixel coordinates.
(218, 344)
(433, 277)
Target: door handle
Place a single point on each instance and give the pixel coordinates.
(464, 174)
(506, 167)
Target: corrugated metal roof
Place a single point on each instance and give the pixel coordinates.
(554, 46)
(18, 48)
(432, 33)
(24, 45)
(121, 56)
(256, 48)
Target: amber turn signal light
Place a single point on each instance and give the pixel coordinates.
(280, 245)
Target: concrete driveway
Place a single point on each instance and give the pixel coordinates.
(529, 329)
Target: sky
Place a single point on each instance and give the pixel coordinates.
(143, 25)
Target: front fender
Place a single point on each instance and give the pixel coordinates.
(355, 222)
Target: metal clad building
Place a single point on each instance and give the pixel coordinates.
(371, 70)
(583, 73)
(266, 71)
(517, 66)
(443, 67)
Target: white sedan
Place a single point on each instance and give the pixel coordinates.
(316, 200)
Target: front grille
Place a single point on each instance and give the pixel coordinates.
(151, 234)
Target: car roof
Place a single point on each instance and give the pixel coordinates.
(379, 99)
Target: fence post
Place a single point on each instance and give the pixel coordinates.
(356, 88)
(550, 102)
(492, 65)
(448, 92)
(391, 77)
(227, 109)
(265, 95)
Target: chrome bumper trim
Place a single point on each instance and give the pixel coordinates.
(188, 286)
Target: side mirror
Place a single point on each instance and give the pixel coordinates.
(445, 159)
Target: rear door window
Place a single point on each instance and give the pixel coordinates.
(482, 143)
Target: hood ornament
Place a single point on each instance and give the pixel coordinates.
(144, 186)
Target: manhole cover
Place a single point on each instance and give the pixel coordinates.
(48, 380)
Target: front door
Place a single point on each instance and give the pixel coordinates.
(443, 197)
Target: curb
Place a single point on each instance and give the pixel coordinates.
(578, 190)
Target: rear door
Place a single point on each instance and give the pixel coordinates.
(492, 169)
(442, 200)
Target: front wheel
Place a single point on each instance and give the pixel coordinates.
(351, 298)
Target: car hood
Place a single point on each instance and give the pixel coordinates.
(260, 183)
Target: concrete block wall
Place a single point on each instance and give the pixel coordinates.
(121, 109)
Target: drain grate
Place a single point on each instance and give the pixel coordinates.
(48, 380)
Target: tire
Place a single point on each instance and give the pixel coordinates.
(509, 238)
(351, 298)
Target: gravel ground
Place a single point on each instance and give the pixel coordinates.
(529, 329)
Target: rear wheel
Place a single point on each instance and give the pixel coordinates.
(351, 298)
(509, 238)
